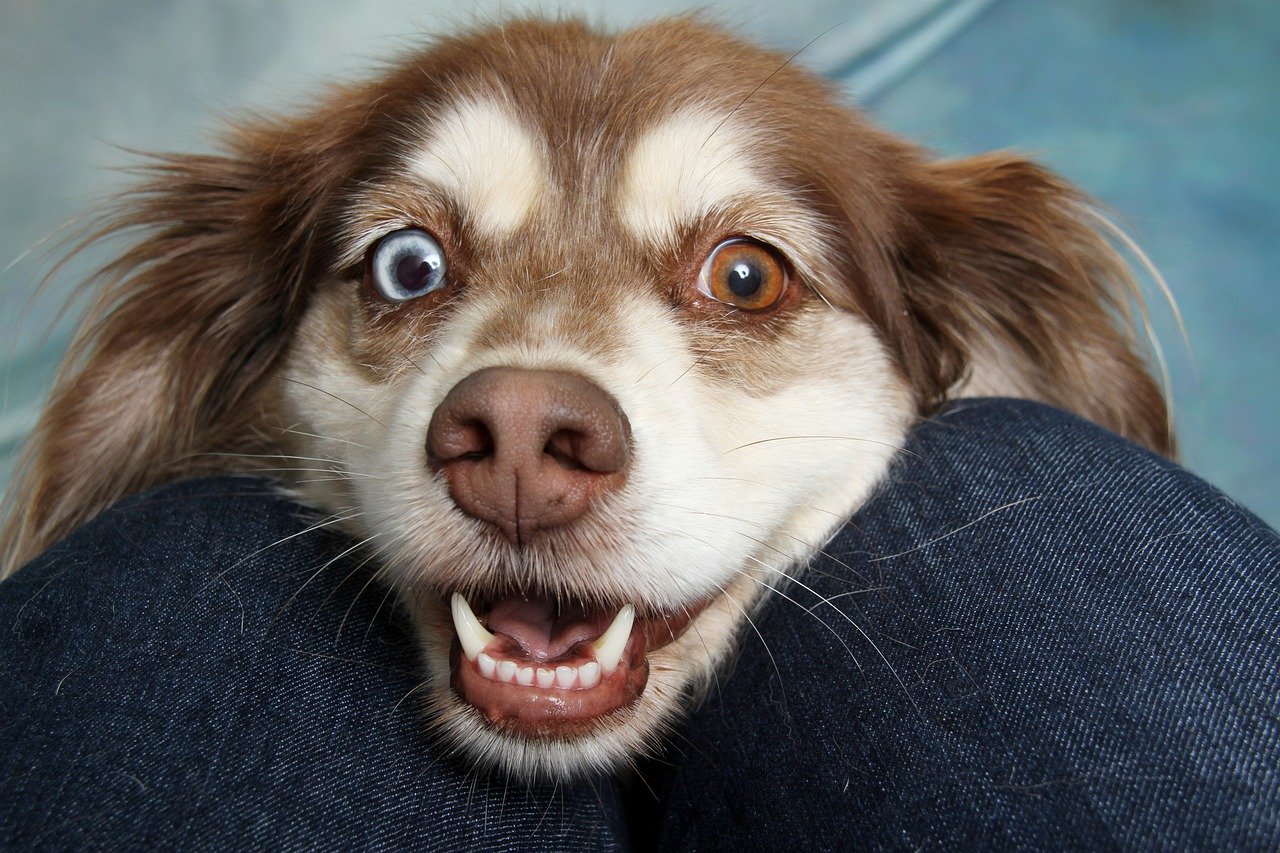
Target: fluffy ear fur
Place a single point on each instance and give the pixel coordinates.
(1005, 283)
(164, 369)
(186, 322)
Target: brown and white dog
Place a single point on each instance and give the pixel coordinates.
(595, 337)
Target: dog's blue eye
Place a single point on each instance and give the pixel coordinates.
(407, 264)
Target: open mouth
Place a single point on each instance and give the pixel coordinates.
(547, 668)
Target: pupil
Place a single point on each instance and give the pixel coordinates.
(414, 272)
(745, 279)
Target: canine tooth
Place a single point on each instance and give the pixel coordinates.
(565, 676)
(487, 665)
(546, 677)
(471, 634)
(608, 649)
(589, 674)
(507, 670)
(524, 675)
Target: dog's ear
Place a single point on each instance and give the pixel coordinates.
(1008, 283)
(186, 323)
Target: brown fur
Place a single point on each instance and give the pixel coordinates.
(947, 260)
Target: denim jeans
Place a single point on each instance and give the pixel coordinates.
(1034, 635)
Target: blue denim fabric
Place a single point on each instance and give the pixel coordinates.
(171, 681)
(1035, 635)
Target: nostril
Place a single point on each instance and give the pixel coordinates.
(565, 447)
(477, 437)
(460, 440)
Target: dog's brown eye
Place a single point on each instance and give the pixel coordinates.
(406, 264)
(745, 274)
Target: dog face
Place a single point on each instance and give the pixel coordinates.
(552, 400)
(596, 337)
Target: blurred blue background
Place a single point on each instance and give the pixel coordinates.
(1168, 111)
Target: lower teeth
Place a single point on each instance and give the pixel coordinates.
(582, 677)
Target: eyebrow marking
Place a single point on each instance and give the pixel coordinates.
(491, 165)
(683, 168)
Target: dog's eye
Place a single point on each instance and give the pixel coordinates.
(745, 274)
(407, 264)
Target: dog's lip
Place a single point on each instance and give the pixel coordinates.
(593, 693)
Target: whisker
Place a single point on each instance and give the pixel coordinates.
(415, 364)
(339, 479)
(347, 475)
(765, 81)
(833, 558)
(359, 544)
(822, 600)
(419, 686)
(336, 518)
(959, 529)
(703, 357)
(377, 573)
(808, 546)
(391, 587)
(268, 456)
(336, 397)
(821, 438)
(764, 643)
(346, 578)
(324, 437)
(856, 627)
(746, 615)
(774, 590)
(715, 675)
(847, 594)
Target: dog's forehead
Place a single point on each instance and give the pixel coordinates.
(683, 167)
(487, 162)
(504, 168)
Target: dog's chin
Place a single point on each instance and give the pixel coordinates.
(556, 691)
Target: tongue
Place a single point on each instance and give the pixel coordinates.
(544, 631)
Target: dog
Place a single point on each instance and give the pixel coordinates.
(594, 338)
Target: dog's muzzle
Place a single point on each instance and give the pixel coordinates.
(530, 451)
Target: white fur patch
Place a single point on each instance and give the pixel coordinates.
(486, 161)
(681, 169)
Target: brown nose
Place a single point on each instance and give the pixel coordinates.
(528, 450)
